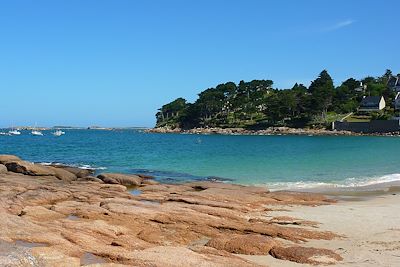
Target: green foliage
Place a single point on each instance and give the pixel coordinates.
(256, 104)
(379, 116)
(322, 91)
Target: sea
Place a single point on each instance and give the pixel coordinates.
(278, 162)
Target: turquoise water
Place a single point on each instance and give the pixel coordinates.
(276, 161)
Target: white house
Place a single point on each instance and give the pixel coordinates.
(372, 103)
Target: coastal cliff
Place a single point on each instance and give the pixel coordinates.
(66, 217)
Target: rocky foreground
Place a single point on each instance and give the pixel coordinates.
(63, 216)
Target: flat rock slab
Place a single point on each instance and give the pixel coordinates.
(250, 244)
(12, 255)
(306, 255)
(123, 179)
(80, 173)
(8, 158)
(29, 168)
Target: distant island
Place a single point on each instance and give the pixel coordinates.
(257, 105)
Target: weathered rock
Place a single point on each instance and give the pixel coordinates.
(306, 255)
(12, 255)
(44, 195)
(165, 225)
(3, 169)
(63, 174)
(8, 158)
(80, 173)
(179, 256)
(29, 168)
(123, 179)
(49, 257)
(251, 244)
(91, 179)
(39, 213)
(145, 176)
(149, 182)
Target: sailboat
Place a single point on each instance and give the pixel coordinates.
(37, 133)
(14, 132)
(58, 133)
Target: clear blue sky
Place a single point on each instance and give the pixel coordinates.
(113, 63)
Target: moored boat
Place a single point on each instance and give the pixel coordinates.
(58, 133)
(14, 132)
(37, 133)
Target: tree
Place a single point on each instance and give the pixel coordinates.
(322, 90)
(171, 110)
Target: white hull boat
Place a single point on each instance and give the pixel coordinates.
(37, 133)
(14, 132)
(58, 133)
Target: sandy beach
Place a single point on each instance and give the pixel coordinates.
(368, 221)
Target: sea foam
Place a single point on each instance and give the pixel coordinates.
(347, 183)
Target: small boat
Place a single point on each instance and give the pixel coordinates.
(37, 133)
(3, 133)
(58, 133)
(14, 132)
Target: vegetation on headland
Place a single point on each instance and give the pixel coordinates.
(257, 104)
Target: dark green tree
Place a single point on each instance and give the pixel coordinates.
(322, 91)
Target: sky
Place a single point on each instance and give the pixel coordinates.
(114, 63)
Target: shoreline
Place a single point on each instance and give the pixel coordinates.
(370, 229)
(64, 216)
(273, 131)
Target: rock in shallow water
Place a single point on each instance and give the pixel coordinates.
(63, 174)
(80, 173)
(29, 168)
(123, 179)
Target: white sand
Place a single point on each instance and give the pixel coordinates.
(371, 227)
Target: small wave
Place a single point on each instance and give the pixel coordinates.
(80, 166)
(348, 183)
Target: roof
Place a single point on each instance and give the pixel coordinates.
(394, 81)
(370, 101)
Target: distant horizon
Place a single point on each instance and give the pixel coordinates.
(115, 63)
(151, 126)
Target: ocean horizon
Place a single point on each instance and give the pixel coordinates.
(278, 162)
